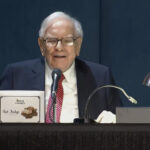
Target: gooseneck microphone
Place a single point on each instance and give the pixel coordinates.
(56, 74)
(131, 99)
(86, 119)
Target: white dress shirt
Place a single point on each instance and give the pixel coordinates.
(70, 99)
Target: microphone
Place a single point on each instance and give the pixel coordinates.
(56, 74)
(88, 120)
(147, 80)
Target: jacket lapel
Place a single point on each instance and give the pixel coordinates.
(38, 75)
(85, 84)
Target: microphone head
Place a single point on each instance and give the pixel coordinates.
(56, 74)
(147, 80)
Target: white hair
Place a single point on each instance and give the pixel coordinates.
(48, 19)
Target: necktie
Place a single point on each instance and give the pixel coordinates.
(59, 100)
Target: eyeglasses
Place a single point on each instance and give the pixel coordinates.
(67, 41)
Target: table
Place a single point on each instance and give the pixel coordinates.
(74, 136)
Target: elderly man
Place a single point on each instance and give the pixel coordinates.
(60, 39)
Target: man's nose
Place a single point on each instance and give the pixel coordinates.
(59, 46)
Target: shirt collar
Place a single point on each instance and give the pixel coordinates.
(68, 74)
(48, 70)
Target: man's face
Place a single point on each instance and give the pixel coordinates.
(62, 54)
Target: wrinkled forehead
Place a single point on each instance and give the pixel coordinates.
(60, 25)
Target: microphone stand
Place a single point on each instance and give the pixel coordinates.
(54, 106)
(56, 74)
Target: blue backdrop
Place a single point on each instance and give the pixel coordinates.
(116, 33)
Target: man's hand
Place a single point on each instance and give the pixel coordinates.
(106, 117)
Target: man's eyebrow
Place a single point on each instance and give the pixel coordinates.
(54, 37)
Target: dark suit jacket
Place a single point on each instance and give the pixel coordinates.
(30, 75)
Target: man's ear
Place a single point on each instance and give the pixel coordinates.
(78, 46)
(40, 43)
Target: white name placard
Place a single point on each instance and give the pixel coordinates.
(22, 107)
